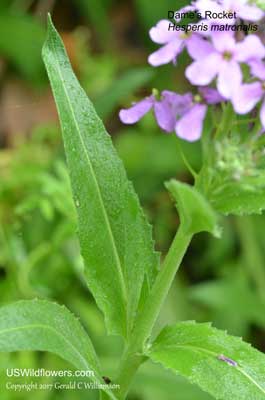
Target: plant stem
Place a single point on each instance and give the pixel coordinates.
(132, 358)
(160, 289)
(226, 121)
(129, 364)
(252, 255)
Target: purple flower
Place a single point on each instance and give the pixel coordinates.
(190, 125)
(183, 113)
(242, 9)
(173, 43)
(248, 95)
(210, 96)
(165, 110)
(222, 59)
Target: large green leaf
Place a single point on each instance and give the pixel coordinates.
(46, 326)
(115, 238)
(222, 365)
(196, 214)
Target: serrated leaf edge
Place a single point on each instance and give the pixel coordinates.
(209, 324)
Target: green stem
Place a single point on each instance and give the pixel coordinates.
(132, 358)
(129, 364)
(252, 256)
(160, 289)
(226, 121)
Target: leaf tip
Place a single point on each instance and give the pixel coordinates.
(51, 32)
(49, 21)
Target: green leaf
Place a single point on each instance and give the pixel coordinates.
(239, 198)
(222, 365)
(116, 241)
(45, 326)
(196, 214)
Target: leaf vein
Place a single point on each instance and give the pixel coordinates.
(212, 353)
(105, 214)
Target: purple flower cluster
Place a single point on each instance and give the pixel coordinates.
(183, 113)
(217, 59)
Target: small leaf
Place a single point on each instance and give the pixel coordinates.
(46, 326)
(116, 240)
(196, 214)
(239, 198)
(222, 365)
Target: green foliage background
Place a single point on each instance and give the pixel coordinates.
(221, 280)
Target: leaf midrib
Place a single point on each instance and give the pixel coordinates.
(105, 214)
(212, 353)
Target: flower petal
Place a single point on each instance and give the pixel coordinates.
(166, 53)
(204, 71)
(257, 68)
(206, 5)
(160, 33)
(165, 116)
(211, 95)
(224, 41)
(229, 78)
(246, 97)
(137, 111)
(250, 13)
(250, 48)
(171, 106)
(199, 48)
(189, 127)
(180, 103)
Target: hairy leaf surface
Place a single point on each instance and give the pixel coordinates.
(195, 212)
(46, 326)
(239, 199)
(222, 365)
(115, 238)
